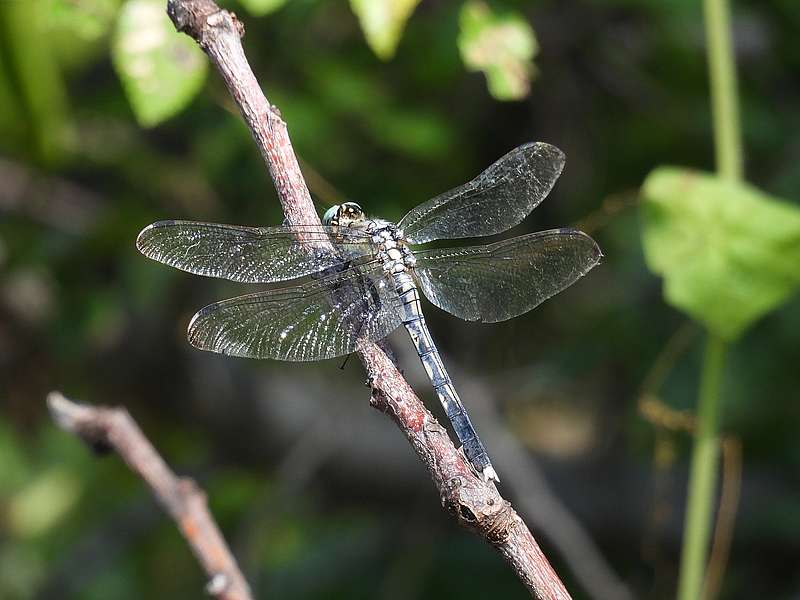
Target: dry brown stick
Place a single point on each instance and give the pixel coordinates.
(475, 503)
(179, 496)
(726, 515)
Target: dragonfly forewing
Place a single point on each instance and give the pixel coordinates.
(495, 282)
(496, 200)
(251, 254)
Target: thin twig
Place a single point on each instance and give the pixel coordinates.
(475, 504)
(102, 427)
(654, 410)
(726, 516)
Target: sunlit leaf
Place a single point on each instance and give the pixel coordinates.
(43, 502)
(728, 253)
(382, 22)
(89, 19)
(502, 45)
(260, 8)
(161, 70)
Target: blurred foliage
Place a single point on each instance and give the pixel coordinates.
(383, 22)
(621, 87)
(262, 7)
(160, 71)
(34, 65)
(87, 19)
(729, 254)
(501, 46)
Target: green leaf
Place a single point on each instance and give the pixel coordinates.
(89, 19)
(500, 45)
(382, 22)
(728, 253)
(260, 8)
(161, 70)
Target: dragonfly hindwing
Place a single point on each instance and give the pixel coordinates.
(327, 317)
(499, 281)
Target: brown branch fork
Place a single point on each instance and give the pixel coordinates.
(114, 428)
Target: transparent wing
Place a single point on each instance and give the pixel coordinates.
(324, 318)
(499, 281)
(249, 254)
(496, 200)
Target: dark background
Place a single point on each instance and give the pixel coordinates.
(318, 494)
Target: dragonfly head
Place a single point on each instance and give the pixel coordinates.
(344, 215)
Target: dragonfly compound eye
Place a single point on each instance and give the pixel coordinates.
(348, 213)
(351, 210)
(331, 216)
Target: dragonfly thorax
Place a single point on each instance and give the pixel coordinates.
(393, 248)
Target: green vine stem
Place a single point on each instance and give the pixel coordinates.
(703, 475)
(705, 454)
(724, 97)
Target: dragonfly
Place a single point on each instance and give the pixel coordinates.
(353, 279)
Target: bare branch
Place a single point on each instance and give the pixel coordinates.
(113, 428)
(218, 32)
(475, 503)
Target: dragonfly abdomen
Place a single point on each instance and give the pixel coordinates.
(414, 322)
